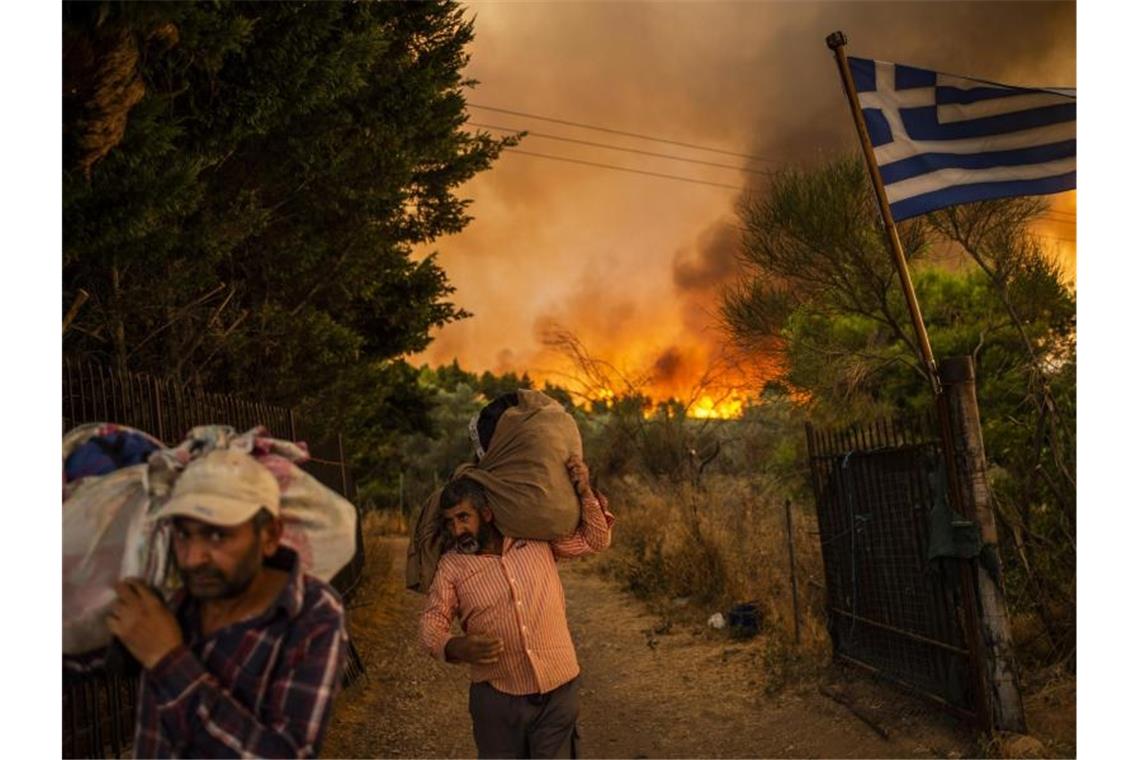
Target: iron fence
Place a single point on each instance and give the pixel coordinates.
(891, 609)
(99, 705)
(98, 715)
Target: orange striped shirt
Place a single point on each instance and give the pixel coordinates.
(516, 596)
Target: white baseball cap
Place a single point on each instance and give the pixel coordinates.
(225, 487)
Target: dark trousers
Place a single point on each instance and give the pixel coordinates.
(532, 725)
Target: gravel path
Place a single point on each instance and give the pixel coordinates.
(409, 704)
(650, 688)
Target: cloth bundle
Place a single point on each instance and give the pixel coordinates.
(108, 533)
(524, 474)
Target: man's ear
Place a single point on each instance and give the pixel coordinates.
(487, 515)
(271, 536)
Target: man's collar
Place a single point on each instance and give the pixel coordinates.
(292, 597)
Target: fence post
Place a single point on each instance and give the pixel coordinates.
(343, 466)
(792, 565)
(1008, 713)
(156, 408)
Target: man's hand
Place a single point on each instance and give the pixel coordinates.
(476, 649)
(141, 621)
(580, 477)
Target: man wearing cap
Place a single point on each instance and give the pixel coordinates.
(247, 659)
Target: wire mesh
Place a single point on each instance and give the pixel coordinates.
(890, 608)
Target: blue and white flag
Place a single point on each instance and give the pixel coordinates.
(941, 140)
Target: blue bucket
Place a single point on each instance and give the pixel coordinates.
(744, 620)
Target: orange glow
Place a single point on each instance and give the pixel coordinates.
(1058, 231)
(632, 264)
(603, 394)
(726, 409)
(705, 387)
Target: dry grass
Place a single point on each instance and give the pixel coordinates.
(716, 546)
(1050, 698)
(690, 551)
(385, 522)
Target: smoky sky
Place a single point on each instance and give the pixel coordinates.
(667, 365)
(634, 264)
(712, 262)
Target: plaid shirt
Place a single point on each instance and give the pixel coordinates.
(259, 688)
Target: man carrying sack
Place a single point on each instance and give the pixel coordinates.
(249, 657)
(505, 587)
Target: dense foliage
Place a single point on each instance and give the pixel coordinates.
(244, 184)
(821, 290)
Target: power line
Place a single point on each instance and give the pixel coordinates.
(615, 147)
(667, 176)
(657, 155)
(621, 169)
(625, 134)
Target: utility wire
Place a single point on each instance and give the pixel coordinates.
(615, 147)
(656, 155)
(625, 134)
(664, 176)
(621, 168)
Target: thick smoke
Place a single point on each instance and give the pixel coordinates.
(633, 265)
(712, 263)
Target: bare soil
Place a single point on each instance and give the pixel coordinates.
(651, 687)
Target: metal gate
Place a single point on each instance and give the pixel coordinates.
(891, 609)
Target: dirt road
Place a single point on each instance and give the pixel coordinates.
(649, 689)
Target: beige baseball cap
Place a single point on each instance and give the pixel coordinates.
(224, 487)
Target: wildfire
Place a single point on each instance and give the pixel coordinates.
(694, 381)
(728, 408)
(708, 406)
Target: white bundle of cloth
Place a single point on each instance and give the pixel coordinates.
(109, 533)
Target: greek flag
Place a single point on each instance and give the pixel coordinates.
(941, 140)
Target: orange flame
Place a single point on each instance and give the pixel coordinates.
(729, 408)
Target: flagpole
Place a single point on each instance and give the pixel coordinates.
(836, 41)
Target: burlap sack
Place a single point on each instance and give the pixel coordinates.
(524, 473)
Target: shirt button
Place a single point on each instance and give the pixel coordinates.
(518, 604)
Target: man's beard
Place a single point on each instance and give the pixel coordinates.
(209, 582)
(472, 544)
